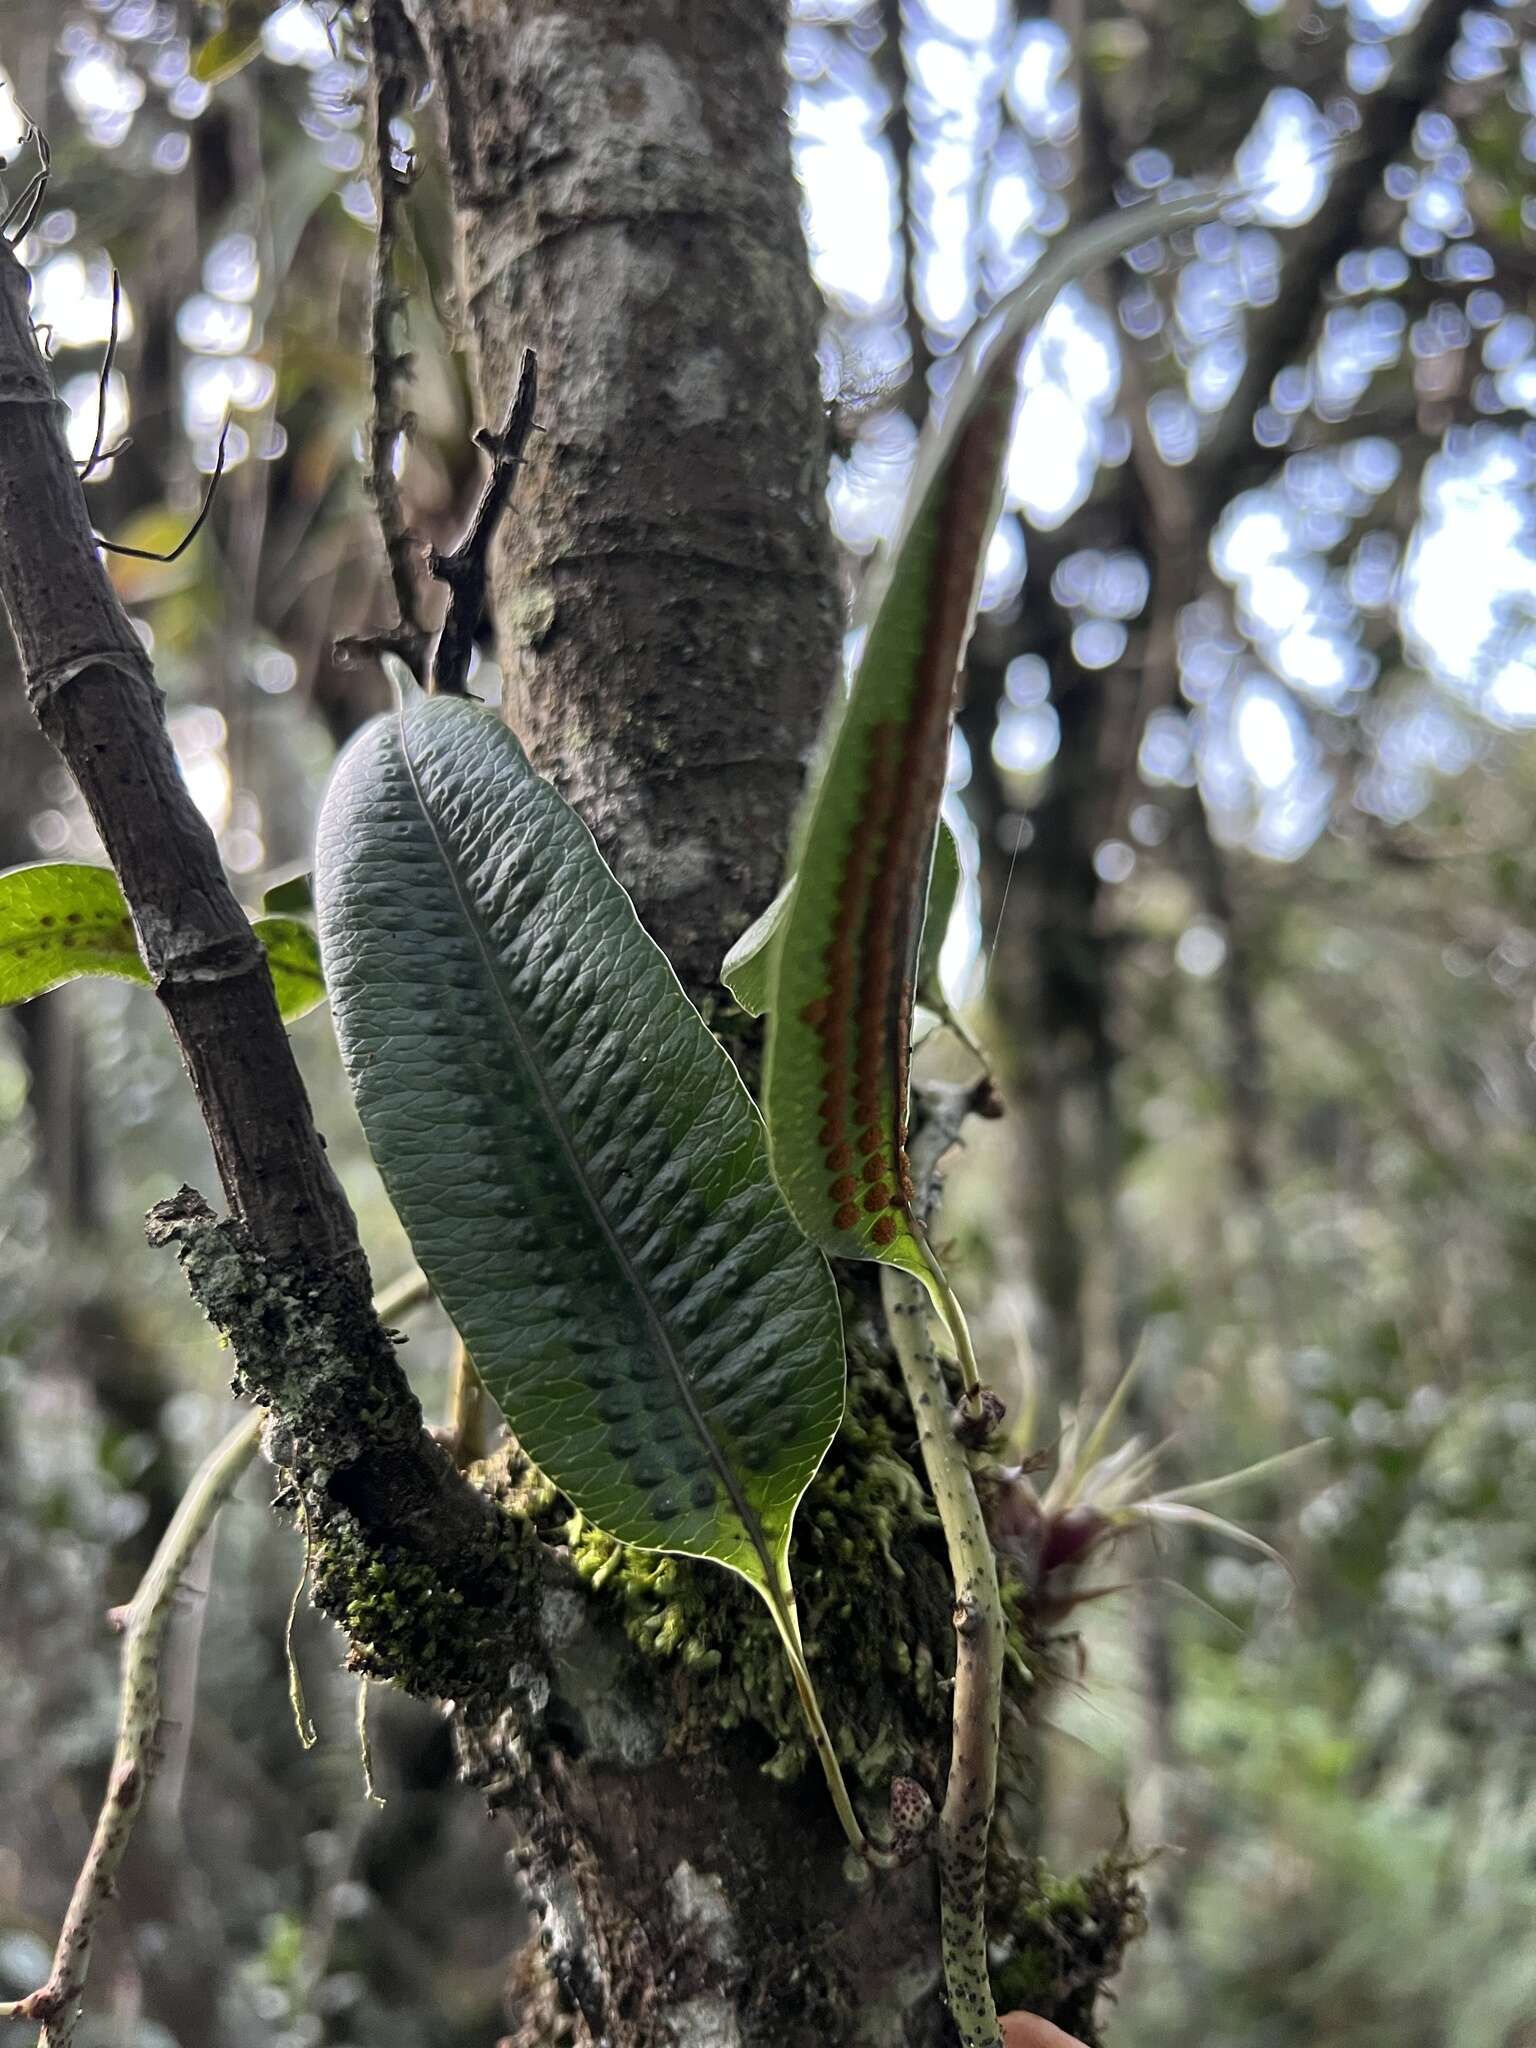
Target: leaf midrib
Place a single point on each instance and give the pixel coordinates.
(552, 1109)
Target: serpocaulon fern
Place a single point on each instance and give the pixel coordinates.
(845, 951)
(583, 1176)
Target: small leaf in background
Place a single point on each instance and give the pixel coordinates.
(845, 959)
(225, 53)
(58, 921)
(293, 955)
(582, 1175)
(230, 48)
(747, 970)
(62, 920)
(290, 892)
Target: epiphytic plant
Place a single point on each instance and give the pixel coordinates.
(583, 1175)
(634, 1262)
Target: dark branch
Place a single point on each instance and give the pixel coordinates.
(357, 1444)
(891, 69)
(467, 570)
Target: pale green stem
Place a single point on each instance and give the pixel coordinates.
(57, 2003)
(965, 1819)
(466, 1428)
(952, 1315)
(135, 1755)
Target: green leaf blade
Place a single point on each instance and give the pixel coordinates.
(943, 891)
(844, 960)
(64, 920)
(293, 955)
(290, 892)
(581, 1173)
(748, 968)
(60, 920)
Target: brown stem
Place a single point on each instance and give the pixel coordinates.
(394, 62)
(93, 691)
(467, 570)
(56, 2004)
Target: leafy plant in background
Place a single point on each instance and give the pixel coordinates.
(61, 921)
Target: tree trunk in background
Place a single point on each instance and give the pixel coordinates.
(668, 618)
(668, 624)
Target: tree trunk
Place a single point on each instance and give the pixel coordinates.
(668, 628)
(668, 616)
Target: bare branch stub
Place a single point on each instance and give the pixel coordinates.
(467, 570)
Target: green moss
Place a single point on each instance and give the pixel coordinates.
(404, 1624)
(874, 1598)
(1066, 1937)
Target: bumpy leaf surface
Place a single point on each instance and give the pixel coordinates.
(60, 920)
(583, 1177)
(837, 1067)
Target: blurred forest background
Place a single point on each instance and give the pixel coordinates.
(1246, 793)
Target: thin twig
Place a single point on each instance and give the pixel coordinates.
(26, 207)
(136, 1756)
(467, 570)
(116, 547)
(104, 383)
(393, 58)
(57, 2003)
(965, 1819)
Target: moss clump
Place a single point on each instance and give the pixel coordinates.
(403, 1623)
(1067, 1936)
(874, 1598)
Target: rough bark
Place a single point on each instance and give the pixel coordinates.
(668, 628)
(668, 620)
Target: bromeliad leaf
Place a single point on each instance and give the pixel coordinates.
(839, 1037)
(60, 920)
(747, 970)
(583, 1177)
